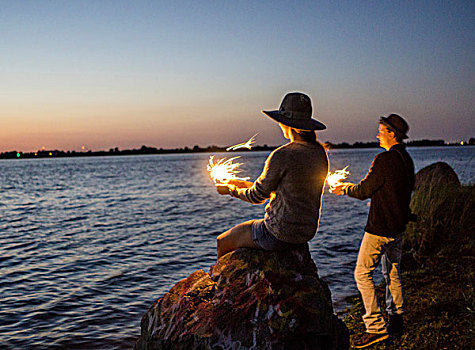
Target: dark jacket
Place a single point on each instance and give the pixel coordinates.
(389, 184)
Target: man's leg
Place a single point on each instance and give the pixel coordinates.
(391, 261)
(369, 256)
(238, 237)
(386, 267)
(394, 294)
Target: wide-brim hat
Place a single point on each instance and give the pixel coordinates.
(296, 111)
(397, 124)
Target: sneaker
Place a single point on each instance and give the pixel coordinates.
(395, 327)
(369, 339)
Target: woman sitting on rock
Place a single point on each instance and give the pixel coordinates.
(293, 179)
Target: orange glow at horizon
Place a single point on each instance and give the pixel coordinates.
(102, 127)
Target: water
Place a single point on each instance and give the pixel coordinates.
(88, 244)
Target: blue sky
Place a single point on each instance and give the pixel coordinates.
(102, 74)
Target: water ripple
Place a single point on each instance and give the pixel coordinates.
(88, 244)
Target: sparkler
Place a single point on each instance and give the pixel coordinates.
(334, 179)
(247, 144)
(224, 170)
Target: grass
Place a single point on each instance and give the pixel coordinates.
(445, 219)
(440, 307)
(439, 289)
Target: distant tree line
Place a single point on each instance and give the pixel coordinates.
(197, 149)
(414, 143)
(116, 152)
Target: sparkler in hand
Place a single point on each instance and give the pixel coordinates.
(247, 144)
(335, 179)
(224, 170)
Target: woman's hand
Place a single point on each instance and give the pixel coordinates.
(231, 185)
(239, 183)
(222, 189)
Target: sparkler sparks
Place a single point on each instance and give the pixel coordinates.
(334, 179)
(224, 169)
(247, 144)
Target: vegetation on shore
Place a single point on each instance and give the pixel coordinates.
(127, 152)
(445, 221)
(440, 273)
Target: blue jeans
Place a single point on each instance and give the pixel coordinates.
(388, 250)
(390, 268)
(265, 240)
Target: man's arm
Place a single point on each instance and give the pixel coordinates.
(373, 180)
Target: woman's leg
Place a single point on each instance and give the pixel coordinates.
(238, 237)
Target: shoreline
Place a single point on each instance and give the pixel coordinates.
(210, 149)
(438, 268)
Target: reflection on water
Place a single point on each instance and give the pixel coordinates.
(88, 244)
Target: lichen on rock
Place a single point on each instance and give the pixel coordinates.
(250, 299)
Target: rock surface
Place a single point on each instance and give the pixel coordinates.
(437, 173)
(444, 210)
(251, 299)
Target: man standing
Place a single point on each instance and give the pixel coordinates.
(389, 183)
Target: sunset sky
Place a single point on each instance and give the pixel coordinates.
(102, 74)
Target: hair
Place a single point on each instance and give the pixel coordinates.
(397, 135)
(310, 136)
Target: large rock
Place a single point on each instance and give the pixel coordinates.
(439, 173)
(445, 221)
(251, 299)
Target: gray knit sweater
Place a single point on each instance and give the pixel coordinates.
(293, 179)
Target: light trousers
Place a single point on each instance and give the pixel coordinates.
(388, 250)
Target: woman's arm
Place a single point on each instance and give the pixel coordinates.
(267, 182)
(231, 185)
(259, 191)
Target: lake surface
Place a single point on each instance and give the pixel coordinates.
(88, 244)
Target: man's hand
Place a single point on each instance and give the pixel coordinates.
(339, 190)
